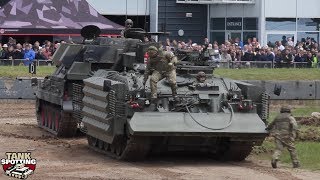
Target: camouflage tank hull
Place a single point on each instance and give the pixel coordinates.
(112, 128)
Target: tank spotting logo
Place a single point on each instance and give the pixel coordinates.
(19, 164)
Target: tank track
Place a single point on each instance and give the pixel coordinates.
(53, 119)
(235, 151)
(132, 149)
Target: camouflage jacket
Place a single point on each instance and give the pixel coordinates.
(284, 126)
(161, 63)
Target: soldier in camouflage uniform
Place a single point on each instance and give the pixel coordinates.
(201, 77)
(161, 65)
(128, 24)
(284, 129)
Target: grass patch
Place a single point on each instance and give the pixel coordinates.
(307, 145)
(308, 154)
(296, 112)
(269, 74)
(238, 74)
(23, 71)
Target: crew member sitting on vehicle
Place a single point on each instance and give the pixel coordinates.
(128, 24)
(201, 78)
(161, 65)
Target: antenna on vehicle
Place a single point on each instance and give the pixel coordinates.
(145, 16)
(126, 9)
(137, 12)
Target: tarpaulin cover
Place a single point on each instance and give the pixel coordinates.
(51, 17)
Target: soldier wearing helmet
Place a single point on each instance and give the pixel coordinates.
(128, 24)
(284, 129)
(161, 65)
(201, 77)
(201, 81)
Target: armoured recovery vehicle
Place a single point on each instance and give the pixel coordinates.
(104, 96)
(221, 117)
(55, 100)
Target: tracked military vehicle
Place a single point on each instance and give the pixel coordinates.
(56, 107)
(104, 96)
(221, 117)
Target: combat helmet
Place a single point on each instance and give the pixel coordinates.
(128, 22)
(285, 109)
(201, 76)
(152, 48)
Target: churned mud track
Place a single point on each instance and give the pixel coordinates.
(73, 159)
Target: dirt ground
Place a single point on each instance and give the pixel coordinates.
(72, 159)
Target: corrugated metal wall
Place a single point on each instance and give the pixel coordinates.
(172, 17)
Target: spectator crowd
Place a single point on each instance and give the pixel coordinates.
(234, 52)
(26, 52)
(237, 53)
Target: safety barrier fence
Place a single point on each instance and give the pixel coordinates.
(262, 64)
(19, 62)
(20, 88)
(220, 64)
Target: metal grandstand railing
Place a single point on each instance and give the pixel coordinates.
(216, 1)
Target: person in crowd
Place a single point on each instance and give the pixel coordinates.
(309, 59)
(225, 58)
(278, 58)
(18, 53)
(270, 55)
(287, 58)
(280, 46)
(10, 53)
(29, 55)
(248, 56)
(290, 42)
(206, 41)
(299, 58)
(1, 51)
(255, 43)
(36, 46)
(284, 40)
(216, 57)
(12, 42)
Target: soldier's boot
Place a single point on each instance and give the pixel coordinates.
(274, 163)
(174, 92)
(296, 165)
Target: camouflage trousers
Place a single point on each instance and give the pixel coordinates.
(157, 76)
(288, 143)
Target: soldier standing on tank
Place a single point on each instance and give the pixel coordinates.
(284, 129)
(161, 65)
(128, 24)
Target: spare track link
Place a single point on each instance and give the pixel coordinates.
(133, 149)
(54, 120)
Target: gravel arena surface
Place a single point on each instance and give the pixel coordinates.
(72, 158)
